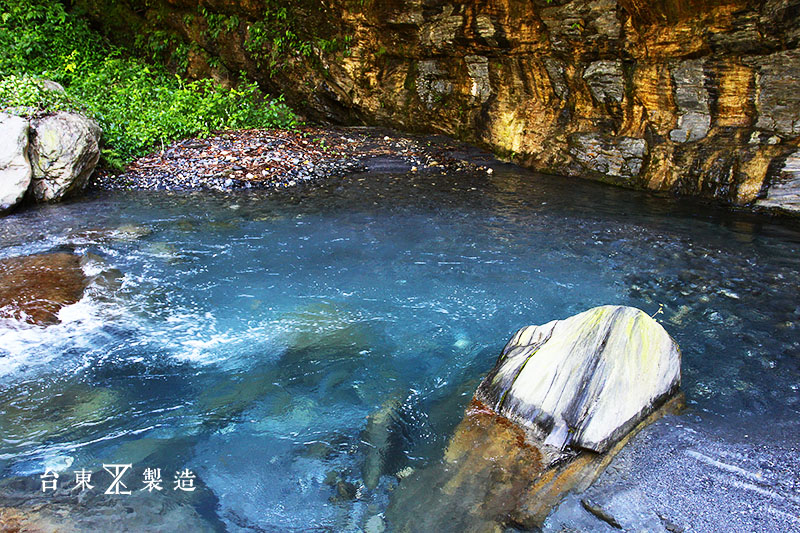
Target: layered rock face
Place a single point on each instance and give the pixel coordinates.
(694, 97)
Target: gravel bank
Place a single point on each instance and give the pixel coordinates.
(275, 159)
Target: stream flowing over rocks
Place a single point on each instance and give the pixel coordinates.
(34, 288)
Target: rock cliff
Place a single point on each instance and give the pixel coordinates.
(691, 97)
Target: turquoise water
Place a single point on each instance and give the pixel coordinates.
(248, 337)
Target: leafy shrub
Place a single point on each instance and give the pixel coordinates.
(27, 94)
(137, 104)
(280, 35)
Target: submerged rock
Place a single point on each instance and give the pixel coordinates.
(328, 347)
(25, 508)
(34, 288)
(15, 169)
(561, 402)
(324, 325)
(55, 409)
(494, 475)
(587, 380)
(378, 439)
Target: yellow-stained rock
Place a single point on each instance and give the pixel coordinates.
(560, 403)
(494, 475)
(694, 80)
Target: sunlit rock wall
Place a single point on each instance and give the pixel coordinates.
(694, 97)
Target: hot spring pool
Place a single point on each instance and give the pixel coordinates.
(248, 337)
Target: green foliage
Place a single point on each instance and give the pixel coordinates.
(279, 36)
(218, 23)
(158, 44)
(138, 105)
(27, 94)
(37, 36)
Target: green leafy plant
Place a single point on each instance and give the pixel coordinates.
(279, 37)
(28, 94)
(138, 105)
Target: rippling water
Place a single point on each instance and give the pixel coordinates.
(248, 338)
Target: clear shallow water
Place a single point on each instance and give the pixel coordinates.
(249, 338)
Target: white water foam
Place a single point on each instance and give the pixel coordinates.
(24, 346)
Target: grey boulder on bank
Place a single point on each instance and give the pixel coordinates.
(585, 381)
(46, 158)
(65, 149)
(15, 168)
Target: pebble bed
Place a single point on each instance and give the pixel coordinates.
(276, 159)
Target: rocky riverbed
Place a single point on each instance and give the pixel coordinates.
(276, 159)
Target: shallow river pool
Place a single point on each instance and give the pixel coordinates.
(244, 339)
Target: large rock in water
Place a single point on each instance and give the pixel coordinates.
(587, 380)
(15, 169)
(561, 401)
(64, 152)
(34, 288)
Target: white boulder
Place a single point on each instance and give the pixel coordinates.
(585, 381)
(15, 169)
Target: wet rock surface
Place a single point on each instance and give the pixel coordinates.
(563, 399)
(494, 476)
(656, 482)
(587, 380)
(34, 288)
(277, 159)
